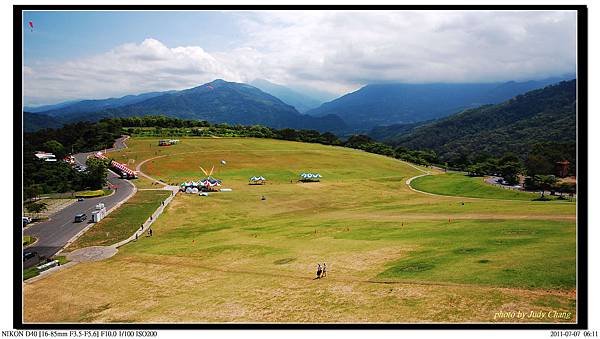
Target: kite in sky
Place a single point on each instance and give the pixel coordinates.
(31, 25)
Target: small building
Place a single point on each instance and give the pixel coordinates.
(45, 156)
(562, 168)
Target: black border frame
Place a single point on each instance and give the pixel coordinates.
(582, 175)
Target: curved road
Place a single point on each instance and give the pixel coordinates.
(54, 233)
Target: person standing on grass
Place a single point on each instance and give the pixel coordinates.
(324, 274)
(319, 271)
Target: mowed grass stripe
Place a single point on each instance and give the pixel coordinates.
(122, 223)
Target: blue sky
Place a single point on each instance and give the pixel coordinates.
(67, 35)
(92, 55)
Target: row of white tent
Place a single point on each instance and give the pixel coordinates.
(209, 182)
(310, 175)
(261, 178)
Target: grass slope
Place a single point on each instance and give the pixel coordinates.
(123, 222)
(394, 255)
(457, 184)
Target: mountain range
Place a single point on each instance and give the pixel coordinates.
(395, 107)
(386, 104)
(217, 102)
(540, 116)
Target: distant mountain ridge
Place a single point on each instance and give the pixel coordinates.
(540, 116)
(35, 121)
(217, 102)
(300, 101)
(387, 104)
(87, 106)
(44, 108)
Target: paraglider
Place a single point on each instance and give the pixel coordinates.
(31, 25)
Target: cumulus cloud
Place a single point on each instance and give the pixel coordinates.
(336, 51)
(127, 69)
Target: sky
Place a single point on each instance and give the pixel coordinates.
(93, 55)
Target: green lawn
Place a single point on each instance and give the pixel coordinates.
(457, 184)
(92, 194)
(29, 273)
(123, 222)
(475, 252)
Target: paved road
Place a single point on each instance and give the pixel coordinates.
(54, 233)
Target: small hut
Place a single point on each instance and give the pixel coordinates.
(562, 168)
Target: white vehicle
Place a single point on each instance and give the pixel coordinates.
(26, 220)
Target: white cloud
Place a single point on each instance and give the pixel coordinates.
(330, 50)
(127, 69)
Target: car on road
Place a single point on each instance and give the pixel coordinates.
(26, 220)
(80, 217)
(80, 199)
(29, 255)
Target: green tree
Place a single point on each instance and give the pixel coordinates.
(545, 182)
(36, 208)
(329, 138)
(510, 167)
(538, 164)
(55, 147)
(32, 192)
(96, 172)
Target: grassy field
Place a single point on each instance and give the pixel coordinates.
(123, 222)
(393, 255)
(458, 184)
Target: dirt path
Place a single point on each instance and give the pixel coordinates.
(138, 169)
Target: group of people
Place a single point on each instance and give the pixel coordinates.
(321, 271)
(149, 234)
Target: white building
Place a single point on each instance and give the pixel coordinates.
(45, 156)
